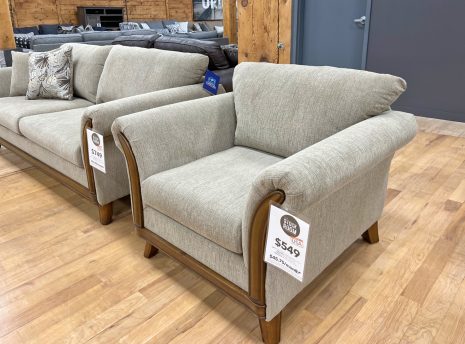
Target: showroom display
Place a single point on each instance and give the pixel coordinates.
(318, 140)
(52, 134)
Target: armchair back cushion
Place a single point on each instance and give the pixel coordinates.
(297, 106)
(130, 71)
(88, 61)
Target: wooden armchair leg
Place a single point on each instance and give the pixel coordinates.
(271, 330)
(371, 235)
(105, 213)
(150, 250)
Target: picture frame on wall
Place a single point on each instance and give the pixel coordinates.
(208, 10)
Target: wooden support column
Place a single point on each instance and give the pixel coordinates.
(265, 30)
(230, 20)
(7, 40)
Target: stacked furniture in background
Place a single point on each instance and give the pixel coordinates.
(318, 140)
(107, 84)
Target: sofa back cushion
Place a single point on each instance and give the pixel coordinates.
(282, 109)
(88, 63)
(217, 58)
(99, 36)
(131, 71)
(19, 74)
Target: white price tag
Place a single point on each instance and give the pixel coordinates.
(96, 150)
(286, 244)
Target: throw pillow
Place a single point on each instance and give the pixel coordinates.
(183, 27)
(145, 26)
(23, 40)
(197, 27)
(219, 30)
(204, 27)
(51, 74)
(19, 74)
(173, 28)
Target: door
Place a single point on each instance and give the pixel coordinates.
(332, 32)
(423, 42)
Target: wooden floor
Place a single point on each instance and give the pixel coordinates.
(66, 279)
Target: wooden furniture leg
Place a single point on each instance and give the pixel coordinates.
(105, 213)
(150, 250)
(371, 235)
(271, 330)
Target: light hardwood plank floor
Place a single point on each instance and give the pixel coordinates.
(64, 278)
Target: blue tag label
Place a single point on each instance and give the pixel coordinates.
(212, 82)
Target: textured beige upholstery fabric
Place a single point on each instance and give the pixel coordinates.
(174, 135)
(5, 81)
(12, 109)
(131, 70)
(20, 74)
(335, 176)
(336, 222)
(59, 132)
(321, 169)
(297, 106)
(103, 115)
(114, 184)
(76, 173)
(88, 61)
(209, 195)
(227, 264)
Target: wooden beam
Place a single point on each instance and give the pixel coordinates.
(285, 30)
(7, 40)
(230, 20)
(262, 25)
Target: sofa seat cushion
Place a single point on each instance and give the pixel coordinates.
(209, 195)
(58, 132)
(12, 109)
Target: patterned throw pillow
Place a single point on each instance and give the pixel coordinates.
(51, 74)
(173, 28)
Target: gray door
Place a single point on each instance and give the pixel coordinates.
(328, 34)
(422, 41)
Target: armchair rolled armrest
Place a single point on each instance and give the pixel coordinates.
(5, 81)
(174, 135)
(325, 167)
(103, 115)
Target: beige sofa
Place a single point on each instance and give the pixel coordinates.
(318, 140)
(108, 82)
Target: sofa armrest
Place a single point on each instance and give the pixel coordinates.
(5, 81)
(320, 170)
(174, 135)
(103, 115)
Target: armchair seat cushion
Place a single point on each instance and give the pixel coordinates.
(13, 109)
(58, 132)
(209, 195)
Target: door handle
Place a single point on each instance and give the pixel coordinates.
(361, 21)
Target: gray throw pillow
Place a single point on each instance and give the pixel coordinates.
(174, 28)
(51, 74)
(197, 27)
(19, 74)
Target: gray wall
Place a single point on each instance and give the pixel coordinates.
(422, 41)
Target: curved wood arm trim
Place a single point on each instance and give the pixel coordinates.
(85, 155)
(257, 241)
(136, 194)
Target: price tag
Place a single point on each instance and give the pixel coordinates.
(96, 150)
(286, 244)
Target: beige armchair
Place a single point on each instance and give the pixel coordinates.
(318, 140)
